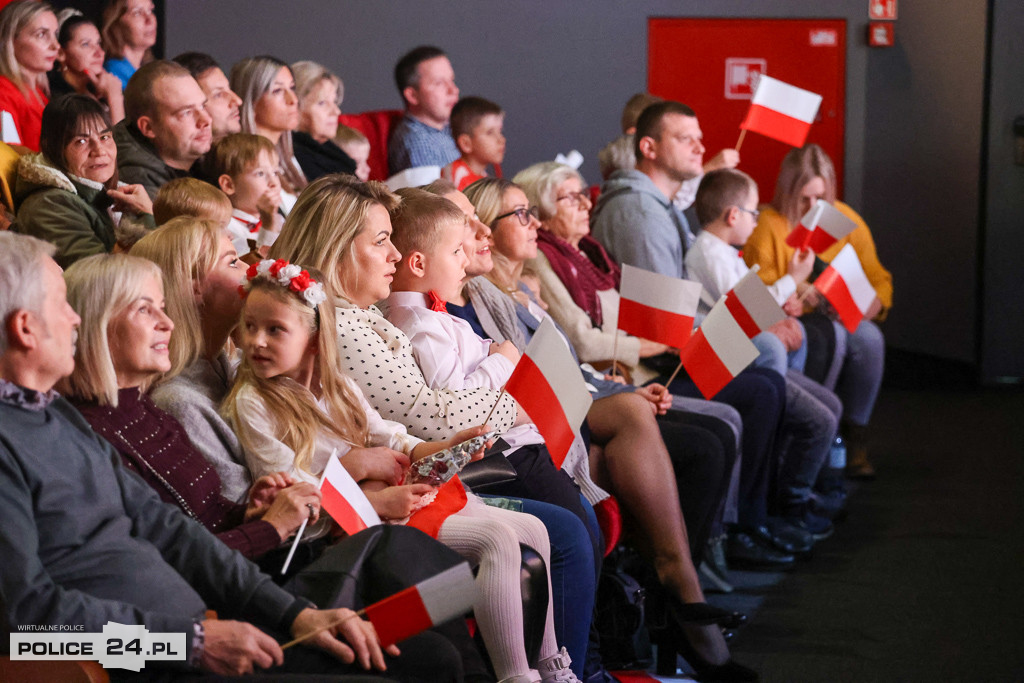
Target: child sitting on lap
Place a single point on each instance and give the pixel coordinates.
(292, 408)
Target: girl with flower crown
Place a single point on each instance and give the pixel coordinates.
(292, 408)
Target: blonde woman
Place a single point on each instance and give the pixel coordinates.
(129, 33)
(320, 93)
(28, 50)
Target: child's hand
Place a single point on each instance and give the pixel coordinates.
(430, 447)
(380, 463)
(789, 332)
(397, 502)
(505, 348)
(793, 306)
(800, 265)
(874, 309)
(263, 490)
(650, 348)
(727, 158)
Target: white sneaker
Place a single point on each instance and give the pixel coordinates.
(555, 669)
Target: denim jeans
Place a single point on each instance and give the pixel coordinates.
(812, 418)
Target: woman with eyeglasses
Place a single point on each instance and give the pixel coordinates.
(129, 33)
(806, 176)
(28, 49)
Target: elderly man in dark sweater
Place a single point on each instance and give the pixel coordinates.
(85, 541)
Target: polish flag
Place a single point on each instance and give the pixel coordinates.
(431, 602)
(820, 228)
(847, 288)
(781, 111)
(718, 351)
(752, 305)
(548, 385)
(657, 307)
(344, 501)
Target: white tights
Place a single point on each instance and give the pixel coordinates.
(490, 537)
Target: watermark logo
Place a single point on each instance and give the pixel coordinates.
(118, 647)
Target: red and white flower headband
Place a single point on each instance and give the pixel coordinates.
(289, 276)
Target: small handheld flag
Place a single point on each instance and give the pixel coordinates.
(548, 385)
(752, 305)
(717, 352)
(657, 307)
(847, 288)
(781, 111)
(820, 228)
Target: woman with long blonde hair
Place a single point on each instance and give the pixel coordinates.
(28, 50)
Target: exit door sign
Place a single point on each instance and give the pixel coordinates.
(882, 9)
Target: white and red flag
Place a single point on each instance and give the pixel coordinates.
(718, 351)
(847, 288)
(781, 111)
(657, 307)
(344, 501)
(548, 385)
(752, 305)
(820, 228)
(430, 602)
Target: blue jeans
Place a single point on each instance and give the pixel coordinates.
(774, 355)
(861, 376)
(812, 418)
(573, 575)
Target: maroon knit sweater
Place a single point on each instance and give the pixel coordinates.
(155, 446)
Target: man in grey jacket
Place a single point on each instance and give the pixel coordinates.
(84, 541)
(166, 127)
(634, 217)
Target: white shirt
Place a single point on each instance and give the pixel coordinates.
(451, 354)
(718, 267)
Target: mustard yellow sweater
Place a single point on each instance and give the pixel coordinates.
(767, 247)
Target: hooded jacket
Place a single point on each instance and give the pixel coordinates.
(639, 226)
(69, 212)
(138, 162)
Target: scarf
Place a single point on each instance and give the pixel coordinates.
(584, 271)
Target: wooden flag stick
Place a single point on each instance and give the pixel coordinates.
(331, 625)
(615, 354)
(502, 393)
(739, 143)
(807, 293)
(674, 373)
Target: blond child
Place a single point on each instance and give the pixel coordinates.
(292, 407)
(477, 129)
(245, 166)
(191, 197)
(357, 146)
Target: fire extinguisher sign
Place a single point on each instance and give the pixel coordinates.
(884, 10)
(741, 74)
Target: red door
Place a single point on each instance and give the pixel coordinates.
(709, 64)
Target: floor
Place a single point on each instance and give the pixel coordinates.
(923, 581)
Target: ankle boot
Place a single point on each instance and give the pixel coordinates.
(857, 464)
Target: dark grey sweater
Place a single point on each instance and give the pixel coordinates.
(84, 540)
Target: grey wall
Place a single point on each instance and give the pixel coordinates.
(1002, 348)
(562, 71)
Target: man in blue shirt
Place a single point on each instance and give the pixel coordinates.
(426, 80)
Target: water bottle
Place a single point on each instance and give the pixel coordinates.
(837, 454)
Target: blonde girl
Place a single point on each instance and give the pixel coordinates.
(292, 408)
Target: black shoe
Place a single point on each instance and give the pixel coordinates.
(702, 613)
(672, 642)
(784, 537)
(801, 517)
(745, 552)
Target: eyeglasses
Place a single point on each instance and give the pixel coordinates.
(753, 212)
(581, 198)
(522, 214)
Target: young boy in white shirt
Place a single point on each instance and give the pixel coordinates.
(246, 169)
(429, 232)
(726, 207)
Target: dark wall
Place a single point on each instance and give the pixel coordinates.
(562, 71)
(1002, 348)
